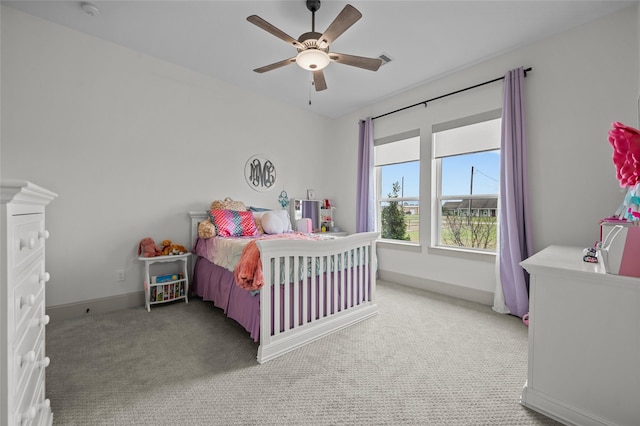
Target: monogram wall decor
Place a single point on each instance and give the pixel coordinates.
(260, 173)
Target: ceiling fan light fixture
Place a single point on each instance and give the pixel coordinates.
(313, 59)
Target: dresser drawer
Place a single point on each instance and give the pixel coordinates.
(27, 235)
(31, 402)
(44, 417)
(29, 297)
(29, 353)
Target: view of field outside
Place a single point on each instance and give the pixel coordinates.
(458, 180)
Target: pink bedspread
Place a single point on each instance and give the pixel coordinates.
(248, 272)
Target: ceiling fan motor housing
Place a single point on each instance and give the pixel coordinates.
(310, 40)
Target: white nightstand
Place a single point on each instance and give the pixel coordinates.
(166, 287)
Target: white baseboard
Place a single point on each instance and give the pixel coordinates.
(130, 300)
(459, 292)
(95, 306)
(561, 411)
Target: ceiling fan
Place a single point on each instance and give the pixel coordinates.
(313, 47)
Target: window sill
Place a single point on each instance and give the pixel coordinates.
(400, 245)
(463, 253)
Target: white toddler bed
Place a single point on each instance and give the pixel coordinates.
(329, 284)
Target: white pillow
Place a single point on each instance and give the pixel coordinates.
(276, 222)
(286, 219)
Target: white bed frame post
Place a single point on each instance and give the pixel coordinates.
(332, 284)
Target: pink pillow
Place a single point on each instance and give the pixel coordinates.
(231, 223)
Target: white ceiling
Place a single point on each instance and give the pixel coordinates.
(425, 39)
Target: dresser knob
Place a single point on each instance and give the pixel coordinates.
(44, 320)
(45, 362)
(28, 358)
(43, 235)
(44, 277)
(30, 300)
(30, 243)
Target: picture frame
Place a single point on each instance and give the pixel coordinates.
(311, 194)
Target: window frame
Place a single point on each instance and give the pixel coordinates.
(379, 198)
(436, 190)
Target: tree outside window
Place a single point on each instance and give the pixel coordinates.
(394, 226)
(397, 171)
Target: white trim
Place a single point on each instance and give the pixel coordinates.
(96, 306)
(459, 292)
(558, 410)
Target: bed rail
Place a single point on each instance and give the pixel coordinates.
(313, 289)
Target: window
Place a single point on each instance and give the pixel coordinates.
(397, 168)
(466, 169)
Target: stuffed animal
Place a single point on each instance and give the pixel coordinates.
(168, 248)
(206, 229)
(148, 248)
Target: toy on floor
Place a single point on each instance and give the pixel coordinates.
(168, 248)
(148, 248)
(590, 255)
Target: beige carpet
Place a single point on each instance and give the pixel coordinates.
(425, 359)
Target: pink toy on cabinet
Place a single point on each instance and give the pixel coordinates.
(148, 248)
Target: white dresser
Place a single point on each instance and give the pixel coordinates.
(22, 305)
(584, 341)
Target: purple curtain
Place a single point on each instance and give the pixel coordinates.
(515, 224)
(365, 210)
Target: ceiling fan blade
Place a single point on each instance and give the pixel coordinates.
(258, 21)
(371, 64)
(346, 18)
(319, 81)
(276, 65)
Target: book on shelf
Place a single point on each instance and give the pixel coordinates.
(162, 292)
(157, 279)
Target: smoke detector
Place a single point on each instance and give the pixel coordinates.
(90, 9)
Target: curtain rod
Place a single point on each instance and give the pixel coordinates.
(448, 94)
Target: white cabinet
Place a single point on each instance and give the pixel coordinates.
(584, 341)
(166, 287)
(320, 212)
(22, 314)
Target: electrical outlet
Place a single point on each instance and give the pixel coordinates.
(120, 276)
